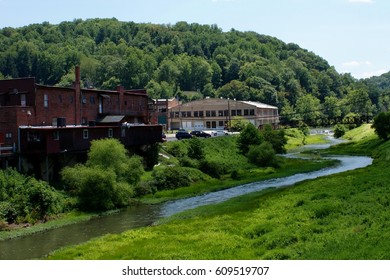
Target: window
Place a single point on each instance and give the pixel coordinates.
(85, 134)
(234, 113)
(45, 101)
(208, 124)
(196, 114)
(220, 113)
(92, 99)
(252, 112)
(208, 113)
(110, 133)
(8, 135)
(213, 113)
(33, 136)
(201, 114)
(221, 123)
(56, 135)
(246, 112)
(239, 112)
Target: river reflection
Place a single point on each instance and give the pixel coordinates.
(40, 244)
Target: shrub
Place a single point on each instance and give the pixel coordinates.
(249, 136)
(382, 125)
(339, 130)
(262, 155)
(196, 149)
(170, 178)
(212, 168)
(276, 138)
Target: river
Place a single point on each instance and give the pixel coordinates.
(40, 244)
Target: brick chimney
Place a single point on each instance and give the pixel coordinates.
(77, 97)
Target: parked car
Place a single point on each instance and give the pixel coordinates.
(219, 133)
(183, 134)
(200, 133)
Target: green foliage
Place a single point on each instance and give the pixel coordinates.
(248, 137)
(212, 168)
(105, 181)
(339, 130)
(262, 155)
(167, 59)
(174, 177)
(25, 199)
(382, 125)
(276, 138)
(196, 148)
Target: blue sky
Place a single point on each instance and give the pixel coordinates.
(352, 35)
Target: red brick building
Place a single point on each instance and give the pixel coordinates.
(40, 124)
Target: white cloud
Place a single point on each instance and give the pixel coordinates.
(355, 63)
(379, 72)
(361, 1)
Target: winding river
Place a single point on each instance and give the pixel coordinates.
(38, 245)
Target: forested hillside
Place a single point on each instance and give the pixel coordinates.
(171, 59)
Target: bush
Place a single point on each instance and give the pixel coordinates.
(249, 136)
(339, 130)
(212, 168)
(382, 125)
(25, 199)
(196, 149)
(262, 155)
(176, 177)
(276, 138)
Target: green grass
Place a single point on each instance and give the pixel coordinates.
(343, 216)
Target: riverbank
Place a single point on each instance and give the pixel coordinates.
(343, 216)
(288, 167)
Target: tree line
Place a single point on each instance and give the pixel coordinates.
(170, 60)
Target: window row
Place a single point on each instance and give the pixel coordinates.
(219, 113)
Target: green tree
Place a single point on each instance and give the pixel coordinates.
(249, 136)
(382, 125)
(276, 138)
(262, 155)
(196, 149)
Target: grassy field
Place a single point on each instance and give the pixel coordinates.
(344, 216)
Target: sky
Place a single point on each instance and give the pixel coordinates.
(352, 35)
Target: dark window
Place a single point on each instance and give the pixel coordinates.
(85, 134)
(239, 112)
(196, 114)
(208, 113)
(56, 135)
(221, 123)
(208, 124)
(213, 113)
(234, 113)
(246, 112)
(201, 114)
(220, 113)
(252, 112)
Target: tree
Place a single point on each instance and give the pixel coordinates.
(275, 137)
(382, 125)
(196, 149)
(248, 137)
(105, 181)
(262, 155)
